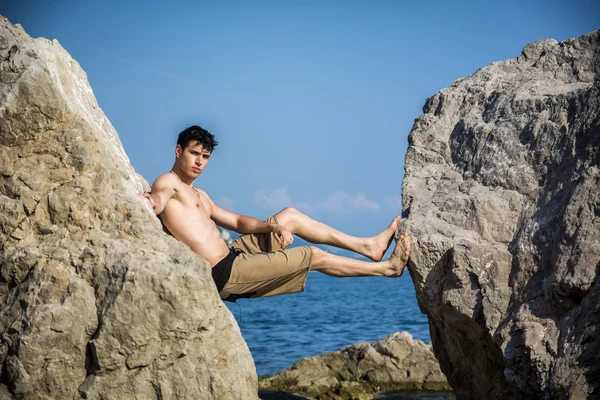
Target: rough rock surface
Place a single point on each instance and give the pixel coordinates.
(95, 301)
(394, 363)
(502, 196)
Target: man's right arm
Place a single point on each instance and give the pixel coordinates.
(162, 191)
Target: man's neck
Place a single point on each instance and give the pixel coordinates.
(177, 172)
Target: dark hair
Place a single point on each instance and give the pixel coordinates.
(198, 134)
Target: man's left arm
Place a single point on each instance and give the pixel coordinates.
(244, 224)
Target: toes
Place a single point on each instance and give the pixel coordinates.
(405, 237)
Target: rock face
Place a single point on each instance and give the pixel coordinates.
(502, 195)
(95, 301)
(395, 363)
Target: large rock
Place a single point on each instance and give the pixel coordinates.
(394, 363)
(502, 195)
(96, 302)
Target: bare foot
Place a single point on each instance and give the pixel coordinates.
(399, 257)
(379, 244)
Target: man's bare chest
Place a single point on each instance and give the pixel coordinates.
(192, 201)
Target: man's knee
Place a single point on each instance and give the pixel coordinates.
(317, 256)
(287, 216)
(288, 211)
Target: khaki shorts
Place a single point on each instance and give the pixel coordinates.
(264, 269)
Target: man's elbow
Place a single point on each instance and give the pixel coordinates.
(238, 226)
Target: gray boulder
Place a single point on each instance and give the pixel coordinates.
(502, 196)
(394, 363)
(95, 301)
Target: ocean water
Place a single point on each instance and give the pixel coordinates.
(330, 314)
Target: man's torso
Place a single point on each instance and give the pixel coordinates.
(187, 216)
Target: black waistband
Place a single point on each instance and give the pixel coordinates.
(222, 271)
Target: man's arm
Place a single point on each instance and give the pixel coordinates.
(161, 192)
(244, 224)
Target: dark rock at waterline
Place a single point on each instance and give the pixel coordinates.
(411, 395)
(394, 363)
(502, 195)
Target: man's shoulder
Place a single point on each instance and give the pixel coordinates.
(166, 178)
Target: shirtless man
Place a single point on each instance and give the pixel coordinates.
(258, 264)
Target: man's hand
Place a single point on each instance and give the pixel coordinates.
(149, 197)
(283, 236)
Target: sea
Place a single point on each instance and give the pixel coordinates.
(330, 314)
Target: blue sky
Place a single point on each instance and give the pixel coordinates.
(312, 101)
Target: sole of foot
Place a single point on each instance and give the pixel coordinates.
(400, 255)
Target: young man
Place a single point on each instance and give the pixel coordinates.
(258, 264)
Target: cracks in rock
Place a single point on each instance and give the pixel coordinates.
(56, 187)
(157, 390)
(115, 285)
(10, 58)
(4, 376)
(25, 183)
(113, 289)
(478, 316)
(439, 153)
(45, 115)
(92, 365)
(37, 202)
(19, 224)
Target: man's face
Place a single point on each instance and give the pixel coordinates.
(193, 159)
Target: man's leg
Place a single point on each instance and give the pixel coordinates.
(316, 232)
(334, 265)
(264, 274)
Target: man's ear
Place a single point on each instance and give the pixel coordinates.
(178, 150)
